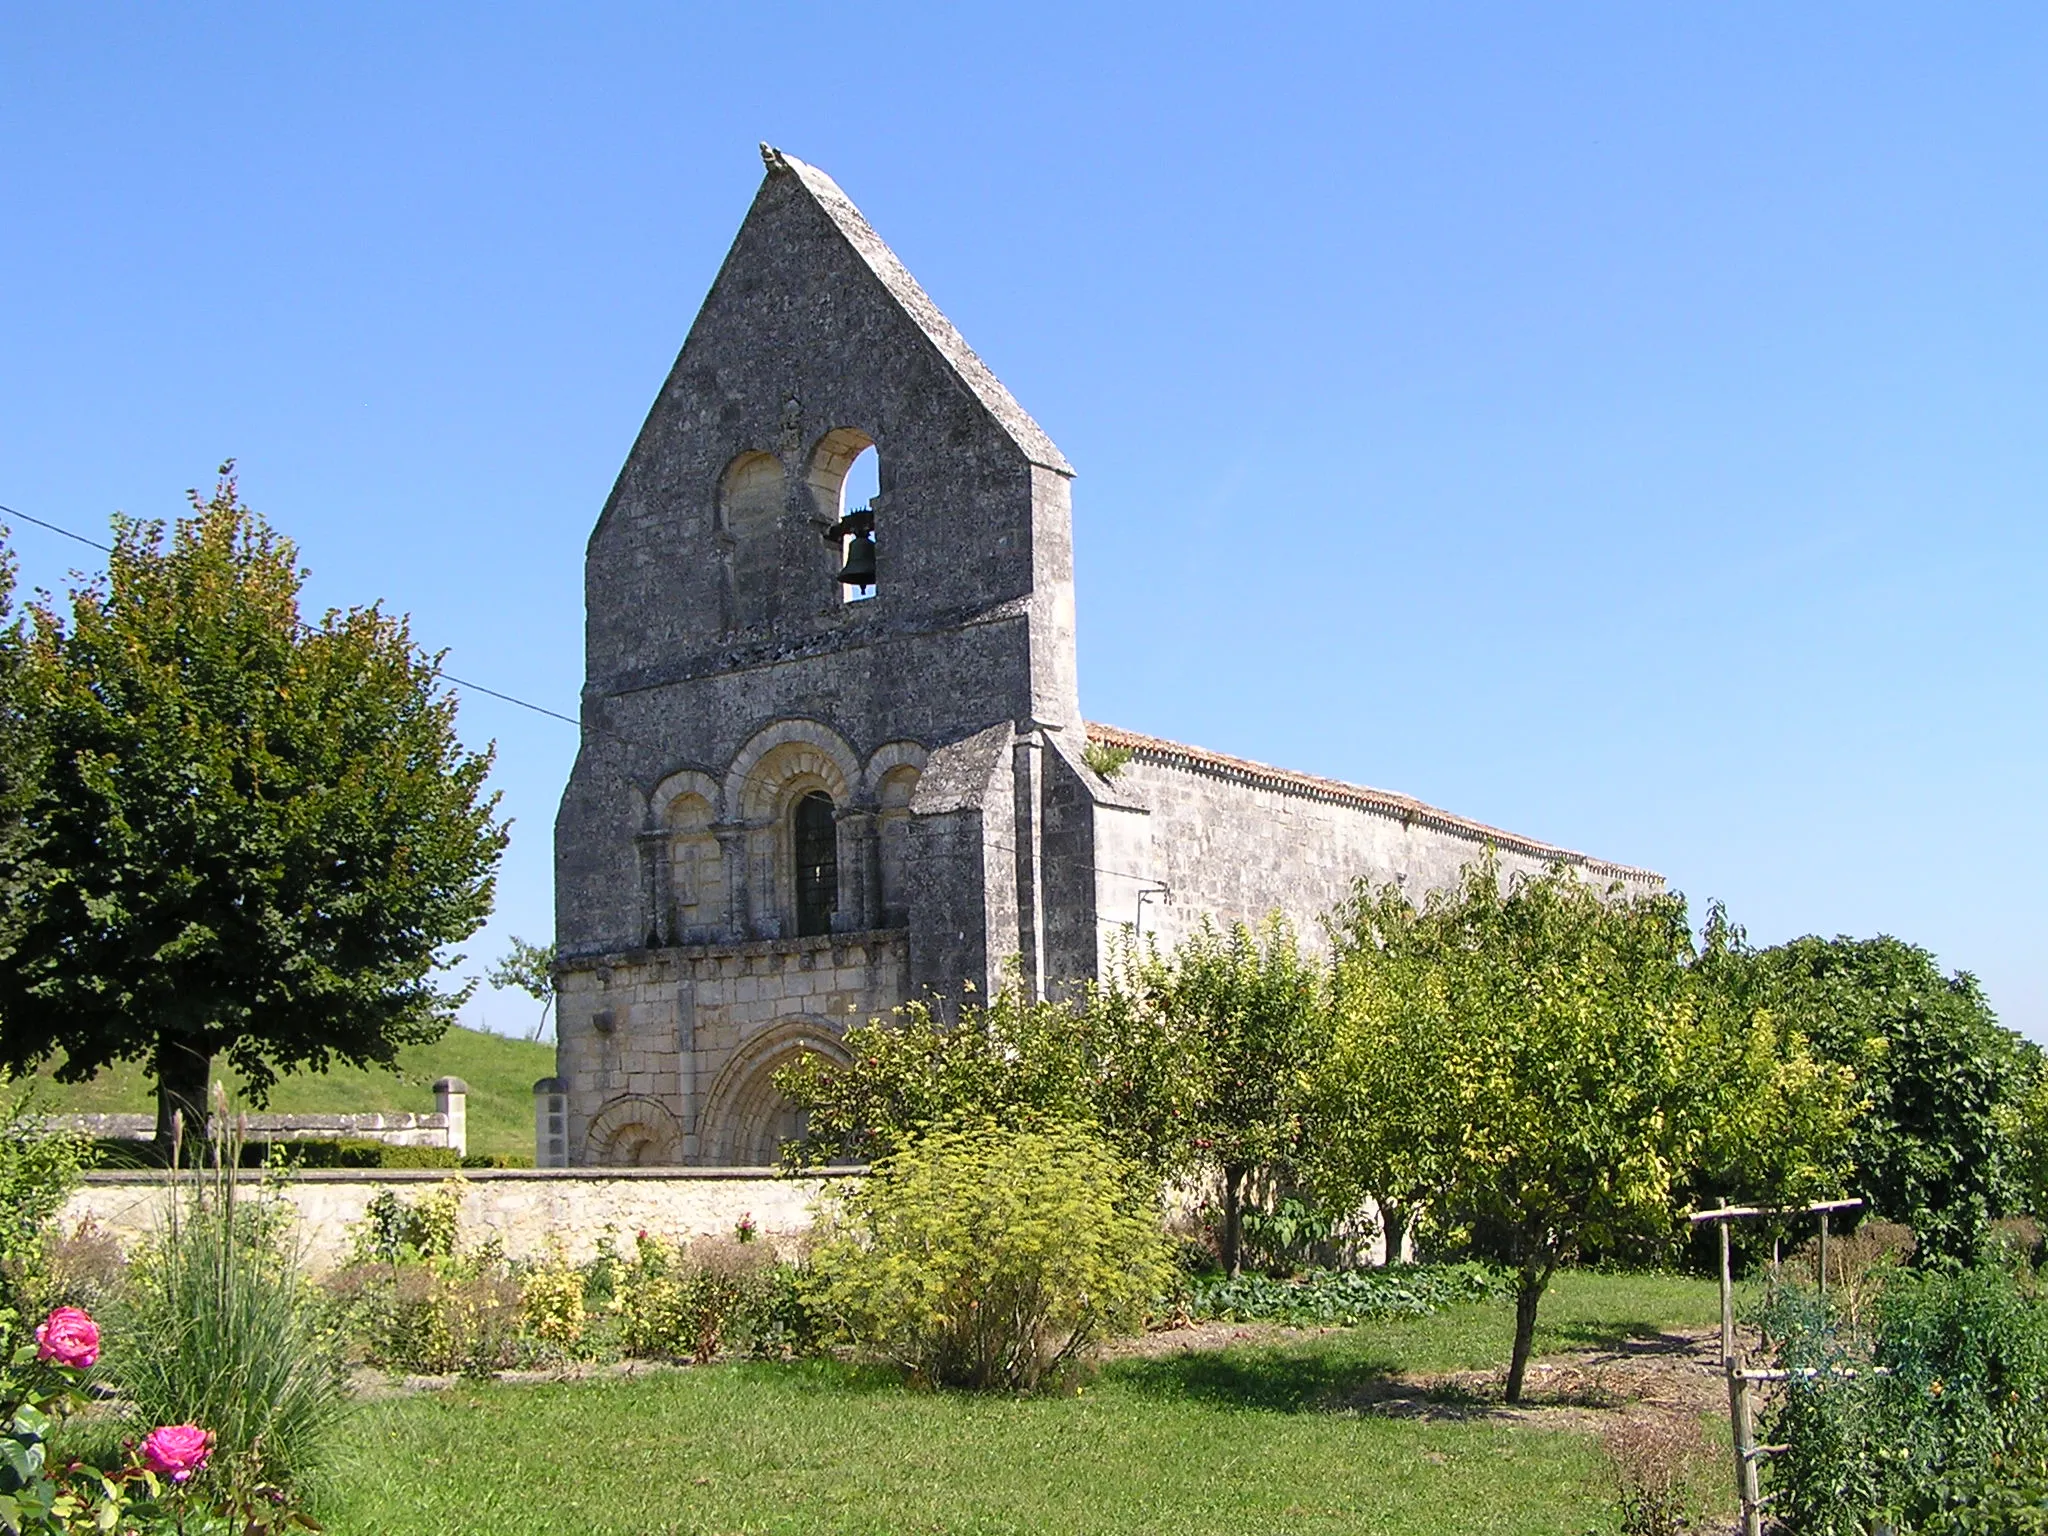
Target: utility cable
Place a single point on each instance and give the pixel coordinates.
(538, 709)
(542, 709)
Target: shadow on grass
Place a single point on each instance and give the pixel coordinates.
(1615, 1335)
(1266, 1380)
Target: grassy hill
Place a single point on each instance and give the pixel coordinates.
(500, 1073)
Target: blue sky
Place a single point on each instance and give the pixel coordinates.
(1618, 423)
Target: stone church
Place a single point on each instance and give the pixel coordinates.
(833, 756)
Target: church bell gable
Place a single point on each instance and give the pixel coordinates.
(816, 344)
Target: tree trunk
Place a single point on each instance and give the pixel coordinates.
(1394, 1220)
(1528, 1291)
(1230, 1242)
(183, 1075)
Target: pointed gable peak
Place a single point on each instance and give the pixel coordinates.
(896, 280)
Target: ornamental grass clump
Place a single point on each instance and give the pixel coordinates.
(989, 1258)
(220, 1328)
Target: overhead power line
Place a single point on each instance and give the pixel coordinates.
(81, 538)
(538, 709)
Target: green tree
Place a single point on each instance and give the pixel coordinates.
(1389, 1015)
(21, 757)
(1104, 1060)
(253, 837)
(2025, 1120)
(1937, 1075)
(530, 968)
(1538, 1058)
(1249, 1012)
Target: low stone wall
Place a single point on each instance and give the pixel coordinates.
(525, 1209)
(447, 1126)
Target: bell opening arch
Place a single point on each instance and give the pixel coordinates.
(845, 481)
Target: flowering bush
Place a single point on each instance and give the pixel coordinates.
(154, 1492)
(177, 1451)
(551, 1303)
(436, 1316)
(690, 1302)
(70, 1338)
(984, 1257)
(37, 1171)
(410, 1301)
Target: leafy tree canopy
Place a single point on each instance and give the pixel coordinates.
(1249, 1014)
(1937, 1074)
(1105, 1061)
(251, 836)
(1537, 1057)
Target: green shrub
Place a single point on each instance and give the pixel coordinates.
(986, 1258)
(348, 1152)
(678, 1302)
(219, 1329)
(394, 1228)
(435, 1316)
(37, 1172)
(1343, 1298)
(1935, 1417)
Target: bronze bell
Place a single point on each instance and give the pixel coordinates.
(859, 570)
(858, 529)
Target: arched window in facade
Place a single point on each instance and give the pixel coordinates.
(750, 497)
(816, 837)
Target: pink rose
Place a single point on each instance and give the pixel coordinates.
(68, 1336)
(177, 1451)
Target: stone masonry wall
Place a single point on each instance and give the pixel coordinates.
(1235, 850)
(668, 1054)
(527, 1210)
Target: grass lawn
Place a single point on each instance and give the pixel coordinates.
(500, 1073)
(1242, 1441)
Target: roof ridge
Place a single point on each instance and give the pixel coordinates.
(1384, 800)
(911, 298)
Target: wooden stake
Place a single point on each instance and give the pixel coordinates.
(1745, 1456)
(1727, 1305)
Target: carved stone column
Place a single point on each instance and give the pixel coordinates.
(732, 858)
(1029, 770)
(655, 876)
(860, 872)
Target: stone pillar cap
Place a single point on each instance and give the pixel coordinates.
(450, 1085)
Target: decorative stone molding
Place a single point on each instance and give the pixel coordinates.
(741, 1109)
(633, 1131)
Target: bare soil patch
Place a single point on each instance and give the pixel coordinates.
(1674, 1374)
